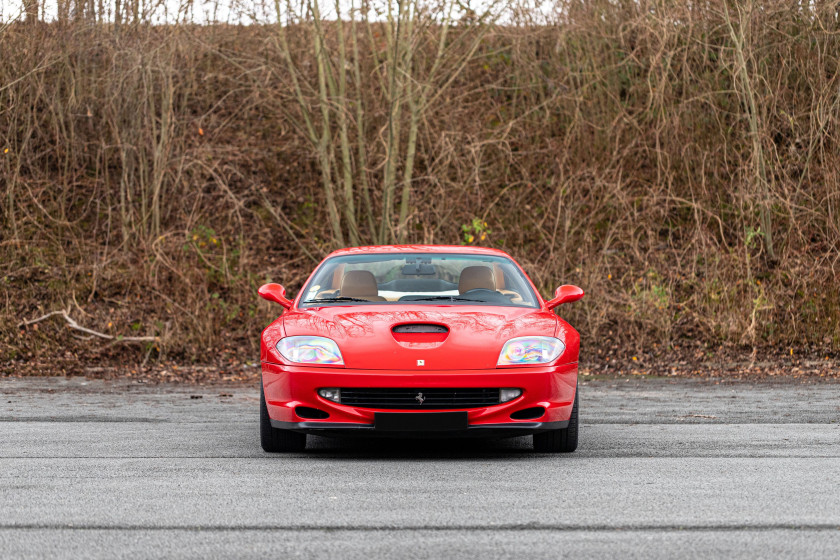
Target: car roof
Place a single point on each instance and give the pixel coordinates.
(463, 249)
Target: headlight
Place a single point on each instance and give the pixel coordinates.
(530, 350)
(310, 350)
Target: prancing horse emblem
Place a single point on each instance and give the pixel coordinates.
(420, 398)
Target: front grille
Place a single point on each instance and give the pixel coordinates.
(411, 398)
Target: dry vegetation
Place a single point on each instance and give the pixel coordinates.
(678, 160)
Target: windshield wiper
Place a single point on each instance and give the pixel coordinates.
(446, 298)
(337, 298)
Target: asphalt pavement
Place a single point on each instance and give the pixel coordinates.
(666, 468)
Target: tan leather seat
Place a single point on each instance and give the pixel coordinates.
(499, 276)
(360, 284)
(476, 278)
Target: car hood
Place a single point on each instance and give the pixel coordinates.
(475, 336)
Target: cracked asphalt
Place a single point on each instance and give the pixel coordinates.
(666, 468)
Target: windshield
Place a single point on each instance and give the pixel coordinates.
(436, 278)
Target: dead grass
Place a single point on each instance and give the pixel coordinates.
(156, 176)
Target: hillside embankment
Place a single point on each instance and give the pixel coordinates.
(680, 162)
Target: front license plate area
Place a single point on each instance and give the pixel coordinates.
(420, 421)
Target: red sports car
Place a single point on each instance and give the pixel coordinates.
(419, 341)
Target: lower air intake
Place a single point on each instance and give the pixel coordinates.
(420, 399)
(311, 413)
(528, 413)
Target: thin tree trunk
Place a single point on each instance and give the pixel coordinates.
(418, 100)
(31, 9)
(317, 140)
(361, 146)
(341, 105)
(161, 153)
(415, 107)
(325, 140)
(408, 168)
(759, 164)
(392, 147)
(63, 10)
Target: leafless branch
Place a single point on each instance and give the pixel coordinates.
(76, 326)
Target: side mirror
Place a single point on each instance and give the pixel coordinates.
(564, 294)
(275, 293)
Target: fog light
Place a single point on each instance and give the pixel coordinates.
(331, 394)
(506, 395)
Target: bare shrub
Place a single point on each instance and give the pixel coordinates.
(678, 161)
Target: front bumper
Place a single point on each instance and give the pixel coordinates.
(345, 429)
(288, 387)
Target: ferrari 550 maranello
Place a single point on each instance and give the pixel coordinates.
(423, 341)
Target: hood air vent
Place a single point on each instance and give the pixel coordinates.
(415, 328)
(420, 335)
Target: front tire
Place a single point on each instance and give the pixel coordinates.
(559, 441)
(275, 440)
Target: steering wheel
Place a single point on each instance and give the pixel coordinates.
(480, 291)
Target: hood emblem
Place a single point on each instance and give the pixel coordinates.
(421, 362)
(420, 398)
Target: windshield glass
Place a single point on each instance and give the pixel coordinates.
(435, 278)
